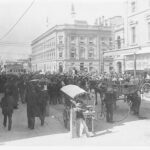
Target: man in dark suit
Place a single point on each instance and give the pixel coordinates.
(109, 102)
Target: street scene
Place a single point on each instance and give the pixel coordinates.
(75, 73)
(53, 133)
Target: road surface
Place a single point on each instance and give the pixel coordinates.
(131, 131)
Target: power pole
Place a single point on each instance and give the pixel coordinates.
(134, 64)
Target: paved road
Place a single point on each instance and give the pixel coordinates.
(131, 131)
(21, 131)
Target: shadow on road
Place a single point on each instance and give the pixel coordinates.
(122, 116)
(52, 125)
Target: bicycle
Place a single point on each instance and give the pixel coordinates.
(100, 115)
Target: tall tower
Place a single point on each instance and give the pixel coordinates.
(73, 13)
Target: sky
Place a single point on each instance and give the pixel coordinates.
(34, 23)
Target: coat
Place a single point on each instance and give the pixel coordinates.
(109, 98)
(7, 105)
(36, 101)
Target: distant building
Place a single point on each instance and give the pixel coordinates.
(133, 55)
(111, 59)
(16, 67)
(65, 47)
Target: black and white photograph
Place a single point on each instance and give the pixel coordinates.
(75, 73)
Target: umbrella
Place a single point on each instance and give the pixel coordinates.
(72, 90)
(34, 80)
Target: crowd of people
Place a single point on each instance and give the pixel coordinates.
(16, 86)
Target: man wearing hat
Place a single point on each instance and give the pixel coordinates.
(109, 102)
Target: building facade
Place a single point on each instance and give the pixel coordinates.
(112, 61)
(17, 67)
(66, 47)
(135, 52)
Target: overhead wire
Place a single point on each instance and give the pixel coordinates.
(19, 44)
(17, 21)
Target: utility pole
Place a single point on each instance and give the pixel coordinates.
(134, 64)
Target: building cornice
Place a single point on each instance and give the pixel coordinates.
(70, 27)
(138, 13)
(123, 49)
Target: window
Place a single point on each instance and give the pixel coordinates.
(73, 38)
(60, 40)
(118, 42)
(110, 42)
(133, 35)
(81, 66)
(90, 66)
(133, 6)
(82, 52)
(60, 54)
(103, 41)
(72, 64)
(149, 31)
(91, 53)
(82, 39)
(91, 40)
(73, 52)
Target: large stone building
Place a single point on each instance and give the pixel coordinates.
(134, 55)
(65, 47)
